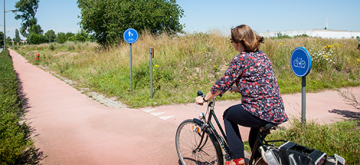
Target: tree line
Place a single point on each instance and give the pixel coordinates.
(104, 21)
(60, 37)
(49, 37)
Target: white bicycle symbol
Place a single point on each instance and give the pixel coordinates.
(299, 63)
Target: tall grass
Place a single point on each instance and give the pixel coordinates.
(191, 62)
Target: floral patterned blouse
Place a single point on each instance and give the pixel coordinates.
(253, 74)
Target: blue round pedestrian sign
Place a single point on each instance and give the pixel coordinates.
(131, 35)
(300, 62)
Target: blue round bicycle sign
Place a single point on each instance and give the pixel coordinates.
(300, 62)
(131, 36)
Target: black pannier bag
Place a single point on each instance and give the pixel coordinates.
(295, 154)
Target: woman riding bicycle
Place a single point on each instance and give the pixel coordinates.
(252, 73)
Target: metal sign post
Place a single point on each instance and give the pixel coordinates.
(151, 71)
(131, 68)
(131, 36)
(301, 65)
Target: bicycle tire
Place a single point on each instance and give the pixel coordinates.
(260, 161)
(187, 140)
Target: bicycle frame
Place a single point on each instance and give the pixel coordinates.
(208, 126)
(260, 141)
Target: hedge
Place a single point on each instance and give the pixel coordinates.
(16, 147)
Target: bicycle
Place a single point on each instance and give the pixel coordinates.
(202, 144)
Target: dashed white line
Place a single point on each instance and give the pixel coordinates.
(158, 114)
(166, 117)
(149, 110)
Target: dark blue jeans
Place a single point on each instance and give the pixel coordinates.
(238, 115)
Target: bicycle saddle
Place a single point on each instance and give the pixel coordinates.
(267, 126)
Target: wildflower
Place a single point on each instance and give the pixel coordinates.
(157, 66)
(329, 46)
(153, 70)
(215, 66)
(358, 60)
(326, 56)
(281, 43)
(338, 45)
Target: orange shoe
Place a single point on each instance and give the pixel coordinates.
(236, 161)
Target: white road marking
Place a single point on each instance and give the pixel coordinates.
(149, 110)
(157, 113)
(166, 117)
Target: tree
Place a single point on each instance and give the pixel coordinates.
(70, 36)
(81, 36)
(35, 28)
(17, 36)
(108, 20)
(8, 41)
(28, 9)
(61, 38)
(37, 38)
(50, 35)
(92, 38)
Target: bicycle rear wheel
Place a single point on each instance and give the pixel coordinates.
(260, 161)
(188, 137)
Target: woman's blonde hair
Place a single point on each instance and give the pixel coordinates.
(245, 35)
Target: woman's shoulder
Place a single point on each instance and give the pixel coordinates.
(246, 55)
(251, 53)
(241, 56)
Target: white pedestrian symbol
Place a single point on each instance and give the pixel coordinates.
(130, 34)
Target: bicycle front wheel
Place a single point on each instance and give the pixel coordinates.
(189, 149)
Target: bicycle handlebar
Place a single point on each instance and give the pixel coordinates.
(199, 93)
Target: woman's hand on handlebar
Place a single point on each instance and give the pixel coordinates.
(199, 100)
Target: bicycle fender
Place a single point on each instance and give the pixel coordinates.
(198, 121)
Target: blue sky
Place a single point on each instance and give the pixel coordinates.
(204, 15)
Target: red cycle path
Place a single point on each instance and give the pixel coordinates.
(71, 128)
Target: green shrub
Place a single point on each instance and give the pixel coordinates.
(301, 35)
(281, 36)
(37, 39)
(15, 145)
(61, 38)
(52, 47)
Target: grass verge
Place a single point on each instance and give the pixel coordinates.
(341, 137)
(16, 147)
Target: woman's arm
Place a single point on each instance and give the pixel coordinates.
(226, 82)
(208, 96)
